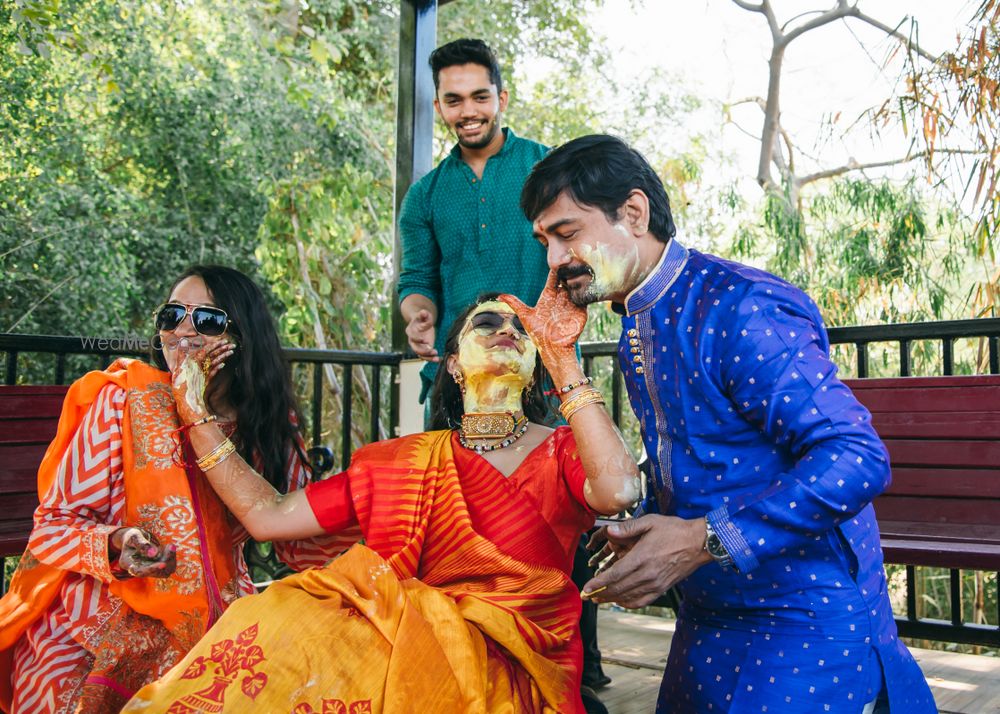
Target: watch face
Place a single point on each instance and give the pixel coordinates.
(715, 547)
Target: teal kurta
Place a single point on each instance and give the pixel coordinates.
(462, 235)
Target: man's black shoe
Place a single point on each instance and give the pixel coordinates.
(591, 703)
(598, 680)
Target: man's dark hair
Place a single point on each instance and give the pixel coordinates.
(466, 51)
(600, 171)
(447, 406)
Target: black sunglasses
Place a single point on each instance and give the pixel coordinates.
(207, 320)
(490, 322)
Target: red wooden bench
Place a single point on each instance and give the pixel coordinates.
(28, 418)
(943, 435)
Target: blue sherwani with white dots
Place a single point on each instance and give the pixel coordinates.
(745, 422)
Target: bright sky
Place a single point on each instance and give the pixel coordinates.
(719, 51)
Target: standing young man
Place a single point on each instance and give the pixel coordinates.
(461, 225)
(764, 463)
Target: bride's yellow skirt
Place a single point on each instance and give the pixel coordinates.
(353, 638)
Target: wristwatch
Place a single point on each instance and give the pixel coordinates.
(716, 548)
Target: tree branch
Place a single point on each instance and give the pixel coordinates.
(40, 301)
(853, 165)
(790, 147)
(842, 10)
(759, 101)
(790, 20)
(115, 164)
(893, 32)
(20, 245)
(772, 20)
(779, 160)
(772, 130)
(772, 112)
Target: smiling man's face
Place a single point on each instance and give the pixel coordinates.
(468, 102)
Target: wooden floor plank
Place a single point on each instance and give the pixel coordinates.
(634, 651)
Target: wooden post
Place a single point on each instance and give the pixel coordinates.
(414, 137)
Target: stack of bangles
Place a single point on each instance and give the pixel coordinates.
(580, 400)
(217, 455)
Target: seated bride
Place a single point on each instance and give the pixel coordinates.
(459, 597)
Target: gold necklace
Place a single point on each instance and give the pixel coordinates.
(495, 425)
(488, 425)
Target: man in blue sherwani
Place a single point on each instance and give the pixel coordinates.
(764, 465)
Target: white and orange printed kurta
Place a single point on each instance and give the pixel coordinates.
(58, 661)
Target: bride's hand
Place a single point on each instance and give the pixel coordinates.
(554, 324)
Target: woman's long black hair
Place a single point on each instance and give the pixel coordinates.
(447, 407)
(256, 381)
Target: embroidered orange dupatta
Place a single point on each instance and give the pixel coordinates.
(173, 612)
(442, 610)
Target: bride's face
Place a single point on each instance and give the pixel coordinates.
(493, 343)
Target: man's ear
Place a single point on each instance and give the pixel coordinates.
(437, 108)
(635, 212)
(504, 98)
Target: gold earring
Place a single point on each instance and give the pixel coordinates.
(459, 380)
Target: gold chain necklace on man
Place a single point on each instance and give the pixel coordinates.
(491, 425)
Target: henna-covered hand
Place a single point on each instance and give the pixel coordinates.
(188, 381)
(554, 325)
(140, 555)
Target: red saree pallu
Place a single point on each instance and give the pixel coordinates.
(459, 601)
(133, 629)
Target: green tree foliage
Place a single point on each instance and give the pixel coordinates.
(951, 109)
(867, 251)
(141, 137)
(134, 150)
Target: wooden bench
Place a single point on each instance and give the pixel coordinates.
(28, 418)
(943, 435)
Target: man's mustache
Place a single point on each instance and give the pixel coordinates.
(567, 272)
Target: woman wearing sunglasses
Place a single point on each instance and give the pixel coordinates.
(133, 556)
(460, 598)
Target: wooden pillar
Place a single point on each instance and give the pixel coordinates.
(414, 134)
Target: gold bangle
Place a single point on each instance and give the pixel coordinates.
(568, 404)
(579, 401)
(217, 455)
(598, 399)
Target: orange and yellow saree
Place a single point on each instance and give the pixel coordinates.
(459, 601)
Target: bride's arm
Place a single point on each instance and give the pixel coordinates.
(613, 482)
(266, 513)
(554, 325)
